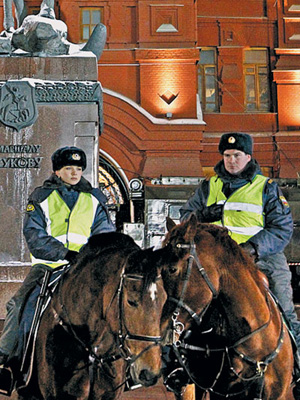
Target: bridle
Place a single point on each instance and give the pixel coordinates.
(127, 335)
(120, 338)
(178, 328)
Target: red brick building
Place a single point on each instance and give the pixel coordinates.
(176, 74)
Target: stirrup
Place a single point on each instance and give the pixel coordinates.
(296, 392)
(6, 381)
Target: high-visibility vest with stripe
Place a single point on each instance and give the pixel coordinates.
(70, 227)
(243, 212)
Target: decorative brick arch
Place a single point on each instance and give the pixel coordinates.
(146, 146)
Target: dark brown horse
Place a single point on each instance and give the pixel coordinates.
(103, 323)
(234, 343)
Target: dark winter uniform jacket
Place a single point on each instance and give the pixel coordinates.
(40, 244)
(278, 223)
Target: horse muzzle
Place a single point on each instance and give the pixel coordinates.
(144, 377)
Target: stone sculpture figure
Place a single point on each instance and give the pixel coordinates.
(44, 35)
(9, 23)
(21, 12)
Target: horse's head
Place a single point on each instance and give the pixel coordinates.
(131, 296)
(190, 272)
(200, 262)
(143, 298)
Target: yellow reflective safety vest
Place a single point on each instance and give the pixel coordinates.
(71, 227)
(243, 212)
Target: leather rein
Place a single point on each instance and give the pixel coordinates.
(178, 327)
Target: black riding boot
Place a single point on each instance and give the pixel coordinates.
(6, 381)
(296, 390)
(3, 358)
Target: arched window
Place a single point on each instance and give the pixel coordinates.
(115, 188)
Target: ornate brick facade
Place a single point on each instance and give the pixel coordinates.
(149, 70)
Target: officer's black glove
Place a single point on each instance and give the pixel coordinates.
(211, 214)
(71, 256)
(250, 249)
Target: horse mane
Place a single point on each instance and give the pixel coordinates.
(104, 246)
(110, 240)
(111, 244)
(221, 237)
(233, 256)
(143, 262)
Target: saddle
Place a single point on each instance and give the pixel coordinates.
(20, 365)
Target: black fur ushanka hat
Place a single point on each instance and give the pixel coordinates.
(236, 141)
(68, 156)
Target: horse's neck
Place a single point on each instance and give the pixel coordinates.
(243, 303)
(88, 311)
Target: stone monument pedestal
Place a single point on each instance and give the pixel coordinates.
(45, 103)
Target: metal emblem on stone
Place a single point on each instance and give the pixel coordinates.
(17, 104)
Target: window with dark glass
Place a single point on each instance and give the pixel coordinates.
(207, 80)
(33, 10)
(90, 17)
(256, 75)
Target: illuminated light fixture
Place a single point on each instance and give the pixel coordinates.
(294, 7)
(136, 188)
(166, 28)
(135, 184)
(294, 37)
(168, 97)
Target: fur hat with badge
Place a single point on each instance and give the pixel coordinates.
(68, 156)
(236, 141)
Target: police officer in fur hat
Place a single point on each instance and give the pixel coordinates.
(61, 215)
(255, 212)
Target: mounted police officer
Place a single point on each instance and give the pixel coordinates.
(255, 212)
(61, 215)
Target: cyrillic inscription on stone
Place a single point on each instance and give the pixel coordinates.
(20, 161)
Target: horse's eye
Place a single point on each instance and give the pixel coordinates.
(172, 270)
(132, 303)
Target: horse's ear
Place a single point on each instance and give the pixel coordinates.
(170, 224)
(191, 228)
(148, 251)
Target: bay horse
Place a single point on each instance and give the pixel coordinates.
(102, 325)
(229, 336)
